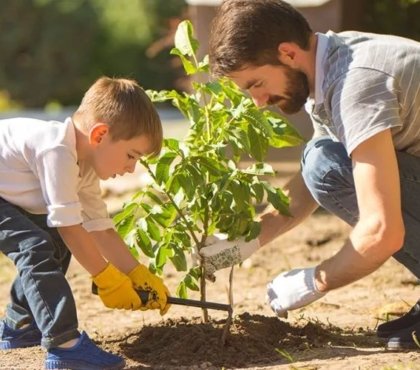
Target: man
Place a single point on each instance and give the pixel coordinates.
(363, 164)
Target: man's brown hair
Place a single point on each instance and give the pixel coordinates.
(124, 106)
(248, 32)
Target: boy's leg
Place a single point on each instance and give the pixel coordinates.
(41, 291)
(19, 308)
(327, 172)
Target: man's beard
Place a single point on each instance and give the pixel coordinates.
(296, 92)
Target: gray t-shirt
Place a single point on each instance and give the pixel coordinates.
(371, 83)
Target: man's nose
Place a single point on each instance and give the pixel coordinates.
(259, 100)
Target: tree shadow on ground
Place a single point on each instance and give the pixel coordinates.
(253, 341)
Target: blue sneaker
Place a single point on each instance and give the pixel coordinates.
(85, 355)
(19, 338)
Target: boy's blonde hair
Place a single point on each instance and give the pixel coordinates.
(124, 106)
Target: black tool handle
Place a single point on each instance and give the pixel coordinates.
(201, 304)
(144, 297)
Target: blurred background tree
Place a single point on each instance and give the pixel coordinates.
(397, 17)
(52, 50)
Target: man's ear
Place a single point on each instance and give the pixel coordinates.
(97, 133)
(287, 53)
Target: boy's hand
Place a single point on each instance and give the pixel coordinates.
(220, 253)
(291, 290)
(143, 279)
(116, 290)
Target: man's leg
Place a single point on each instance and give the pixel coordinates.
(327, 172)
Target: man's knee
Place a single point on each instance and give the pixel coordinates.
(320, 157)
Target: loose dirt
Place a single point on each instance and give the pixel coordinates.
(336, 332)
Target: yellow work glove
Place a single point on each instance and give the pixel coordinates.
(143, 279)
(116, 290)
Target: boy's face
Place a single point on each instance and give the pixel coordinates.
(111, 158)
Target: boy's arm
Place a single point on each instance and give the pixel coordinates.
(84, 248)
(114, 250)
(115, 288)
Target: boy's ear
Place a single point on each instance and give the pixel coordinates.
(97, 133)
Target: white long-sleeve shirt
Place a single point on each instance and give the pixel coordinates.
(40, 173)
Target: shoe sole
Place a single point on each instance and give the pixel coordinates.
(401, 346)
(80, 365)
(5, 345)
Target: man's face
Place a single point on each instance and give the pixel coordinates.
(112, 158)
(279, 85)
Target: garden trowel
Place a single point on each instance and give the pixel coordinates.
(144, 297)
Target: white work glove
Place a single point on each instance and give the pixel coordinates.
(291, 290)
(220, 253)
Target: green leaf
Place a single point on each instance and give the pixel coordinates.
(259, 169)
(254, 231)
(284, 134)
(126, 225)
(179, 260)
(258, 191)
(153, 197)
(171, 144)
(184, 40)
(153, 230)
(166, 216)
(163, 253)
(258, 145)
(126, 212)
(214, 167)
(240, 193)
(181, 290)
(189, 67)
(186, 184)
(279, 201)
(191, 283)
(144, 243)
(163, 166)
(257, 119)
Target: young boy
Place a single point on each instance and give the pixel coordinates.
(51, 208)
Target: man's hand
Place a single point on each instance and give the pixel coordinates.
(116, 290)
(291, 290)
(220, 253)
(143, 279)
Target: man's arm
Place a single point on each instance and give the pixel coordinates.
(380, 230)
(378, 234)
(301, 206)
(219, 253)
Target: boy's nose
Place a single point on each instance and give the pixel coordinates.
(130, 168)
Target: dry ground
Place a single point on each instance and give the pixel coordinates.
(337, 332)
